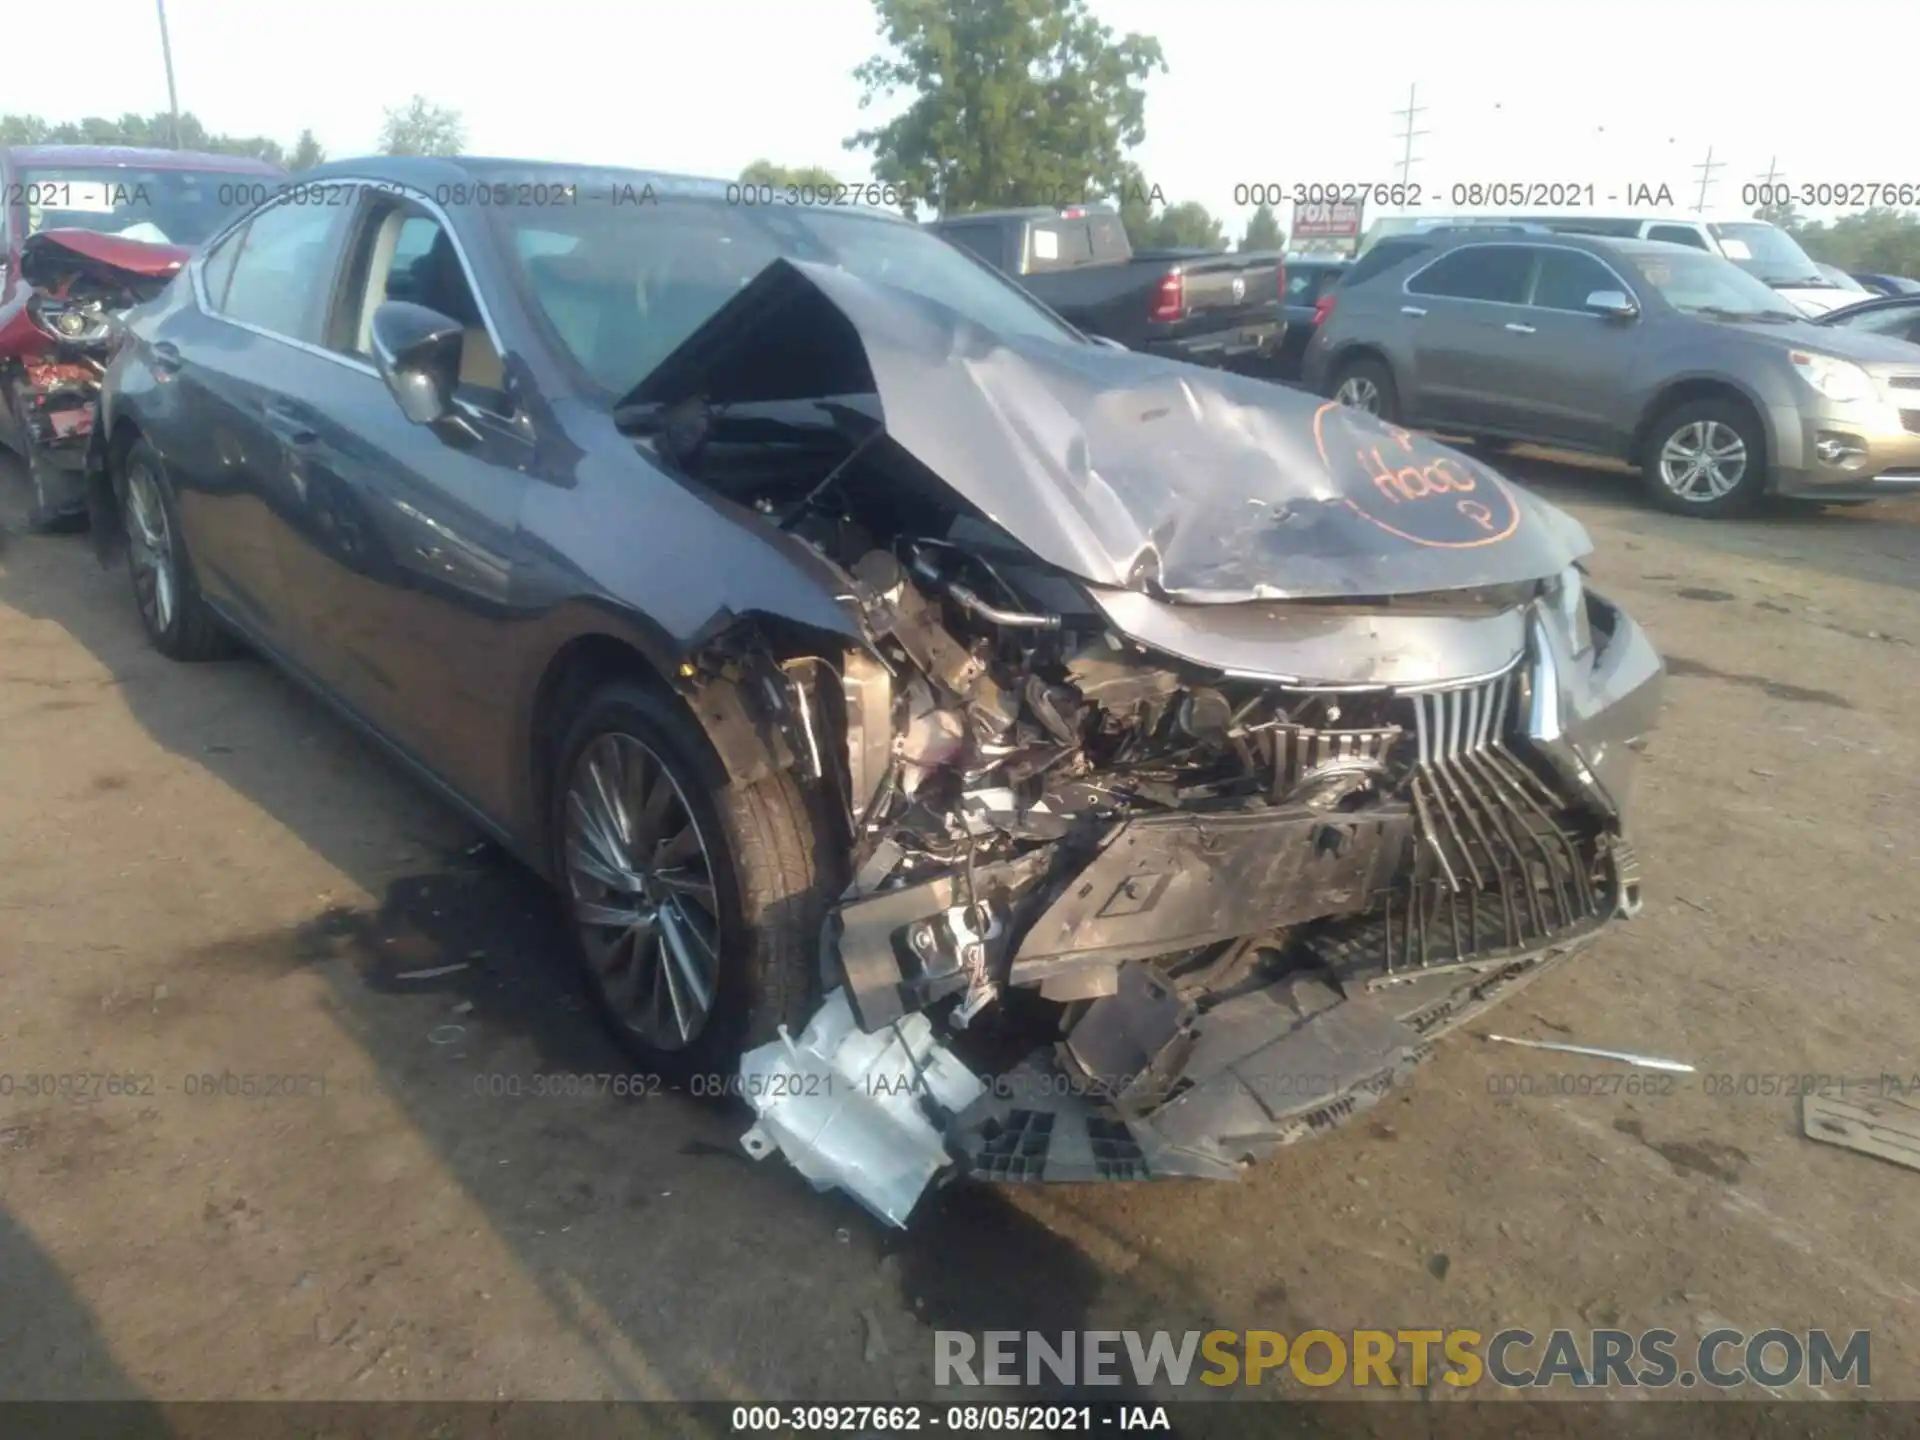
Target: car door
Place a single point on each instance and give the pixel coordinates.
(403, 546)
(1464, 310)
(229, 363)
(1565, 366)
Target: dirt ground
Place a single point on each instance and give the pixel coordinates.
(201, 874)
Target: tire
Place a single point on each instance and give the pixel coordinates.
(165, 593)
(1723, 425)
(762, 850)
(1367, 376)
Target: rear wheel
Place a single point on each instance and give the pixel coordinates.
(176, 619)
(1705, 458)
(695, 903)
(1366, 384)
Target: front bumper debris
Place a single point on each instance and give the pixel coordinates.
(1231, 980)
(850, 1110)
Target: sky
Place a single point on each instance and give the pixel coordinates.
(1257, 92)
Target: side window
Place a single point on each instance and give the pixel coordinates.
(1566, 277)
(1678, 235)
(403, 252)
(1383, 256)
(1477, 272)
(281, 269)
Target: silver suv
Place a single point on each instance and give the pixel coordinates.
(1662, 355)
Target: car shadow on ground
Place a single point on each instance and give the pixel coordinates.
(689, 1269)
(51, 1348)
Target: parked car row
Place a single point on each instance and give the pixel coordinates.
(901, 690)
(1661, 354)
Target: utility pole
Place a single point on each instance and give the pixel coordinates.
(1706, 168)
(166, 54)
(1407, 157)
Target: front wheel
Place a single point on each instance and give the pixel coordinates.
(1705, 458)
(695, 903)
(1367, 385)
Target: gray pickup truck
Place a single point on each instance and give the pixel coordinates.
(1196, 305)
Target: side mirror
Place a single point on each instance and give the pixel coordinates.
(1614, 304)
(418, 353)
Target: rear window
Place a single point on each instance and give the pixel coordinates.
(1307, 283)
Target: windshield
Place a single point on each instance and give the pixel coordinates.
(623, 284)
(1704, 284)
(163, 207)
(1767, 252)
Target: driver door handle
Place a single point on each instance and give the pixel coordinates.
(1411, 310)
(1519, 329)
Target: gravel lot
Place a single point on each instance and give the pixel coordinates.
(200, 873)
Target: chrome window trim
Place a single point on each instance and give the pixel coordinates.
(352, 362)
(1512, 304)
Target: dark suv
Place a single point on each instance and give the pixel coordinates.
(1658, 354)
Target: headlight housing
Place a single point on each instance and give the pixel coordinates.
(1567, 598)
(64, 320)
(1833, 377)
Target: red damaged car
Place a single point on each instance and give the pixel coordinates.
(87, 232)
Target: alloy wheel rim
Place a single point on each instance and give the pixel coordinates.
(642, 883)
(1359, 393)
(151, 548)
(1703, 461)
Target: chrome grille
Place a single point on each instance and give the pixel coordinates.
(1496, 867)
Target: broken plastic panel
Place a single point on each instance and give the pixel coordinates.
(850, 1110)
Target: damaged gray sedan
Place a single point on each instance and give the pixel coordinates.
(990, 752)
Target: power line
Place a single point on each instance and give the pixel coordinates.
(1706, 168)
(1407, 157)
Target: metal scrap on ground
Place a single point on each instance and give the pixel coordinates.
(1882, 1126)
(1645, 1062)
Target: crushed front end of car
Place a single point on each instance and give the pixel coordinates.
(55, 342)
(1213, 752)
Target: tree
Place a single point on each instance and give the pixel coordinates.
(1186, 226)
(421, 127)
(1263, 231)
(307, 152)
(1015, 102)
(781, 177)
(1879, 241)
(1781, 213)
(155, 131)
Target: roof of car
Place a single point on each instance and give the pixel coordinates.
(132, 157)
(424, 172)
(1906, 301)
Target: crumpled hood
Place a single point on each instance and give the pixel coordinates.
(53, 248)
(1128, 470)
